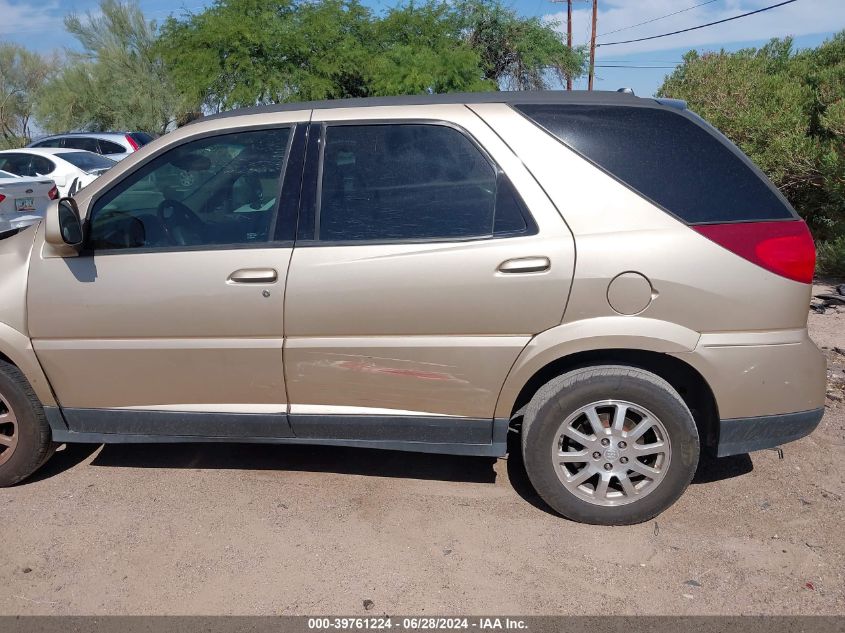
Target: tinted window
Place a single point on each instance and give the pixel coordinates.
(50, 142)
(667, 157)
(87, 161)
(107, 147)
(220, 190)
(397, 182)
(82, 142)
(18, 164)
(41, 166)
(142, 138)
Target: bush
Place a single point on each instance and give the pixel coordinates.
(830, 257)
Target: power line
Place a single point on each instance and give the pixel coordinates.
(662, 17)
(694, 28)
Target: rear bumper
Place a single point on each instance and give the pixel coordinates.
(742, 435)
(755, 374)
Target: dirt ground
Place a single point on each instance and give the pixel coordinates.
(212, 529)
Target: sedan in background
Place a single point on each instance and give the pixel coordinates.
(115, 145)
(23, 201)
(69, 169)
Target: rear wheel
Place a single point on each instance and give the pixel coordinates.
(610, 445)
(25, 440)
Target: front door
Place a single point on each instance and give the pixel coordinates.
(171, 320)
(427, 257)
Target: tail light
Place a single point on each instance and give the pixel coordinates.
(132, 142)
(785, 247)
(53, 193)
(2, 197)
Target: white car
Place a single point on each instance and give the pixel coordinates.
(23, 201)
(70, 169)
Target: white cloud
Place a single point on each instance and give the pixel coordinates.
(804, 17)
(19, 19)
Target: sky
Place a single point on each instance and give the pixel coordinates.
(38, 25)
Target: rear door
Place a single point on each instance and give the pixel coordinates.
(171, 322)
(426, 258)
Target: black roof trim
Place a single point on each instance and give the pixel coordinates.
(595, 97)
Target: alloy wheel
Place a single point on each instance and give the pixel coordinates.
(611, 452)
(8, 430)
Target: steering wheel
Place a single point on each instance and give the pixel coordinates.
(181, 225)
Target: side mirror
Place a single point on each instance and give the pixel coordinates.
(63, 227)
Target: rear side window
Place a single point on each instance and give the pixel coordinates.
(107, 147)
(669, 158)
(406, 182)
(82, 142)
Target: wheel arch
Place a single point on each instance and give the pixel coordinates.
(16, 349)
(561, 350)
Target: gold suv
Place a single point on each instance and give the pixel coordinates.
(606, 275)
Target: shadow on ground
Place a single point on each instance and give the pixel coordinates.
(341, 460)
(334, 459)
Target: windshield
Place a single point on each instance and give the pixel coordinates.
(87, 161)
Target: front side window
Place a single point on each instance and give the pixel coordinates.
(404, 182)
(50, 142)
(220, 190)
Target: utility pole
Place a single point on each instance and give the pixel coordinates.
(593, 45)
(568, 34)
(569, 39)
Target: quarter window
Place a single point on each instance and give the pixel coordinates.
(401, 182)
(220, 190)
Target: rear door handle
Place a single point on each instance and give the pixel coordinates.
(525, 265)
(254, 276)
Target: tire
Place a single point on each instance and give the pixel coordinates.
(636, 434)
(26, 439)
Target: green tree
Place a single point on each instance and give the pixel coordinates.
(516, 53)
(117, 82)
(247, 52)
(421, 48)
(23, 75)
(786, 110)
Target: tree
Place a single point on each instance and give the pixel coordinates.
(421, 48)
(22, 78)
(786, 110)
(247, 52)
(117, 82)
(516, 53)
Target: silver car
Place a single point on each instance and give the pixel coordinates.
(115, 145)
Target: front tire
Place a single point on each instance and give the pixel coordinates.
(609, 445)
(25, 438)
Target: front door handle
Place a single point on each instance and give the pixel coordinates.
(525, 265)
(254, 276)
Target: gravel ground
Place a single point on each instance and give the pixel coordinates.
(212, 529)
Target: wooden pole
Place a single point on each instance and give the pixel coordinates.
(569, 38)
(593, 45)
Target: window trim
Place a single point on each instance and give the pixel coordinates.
(272, 242)
(500, 175)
